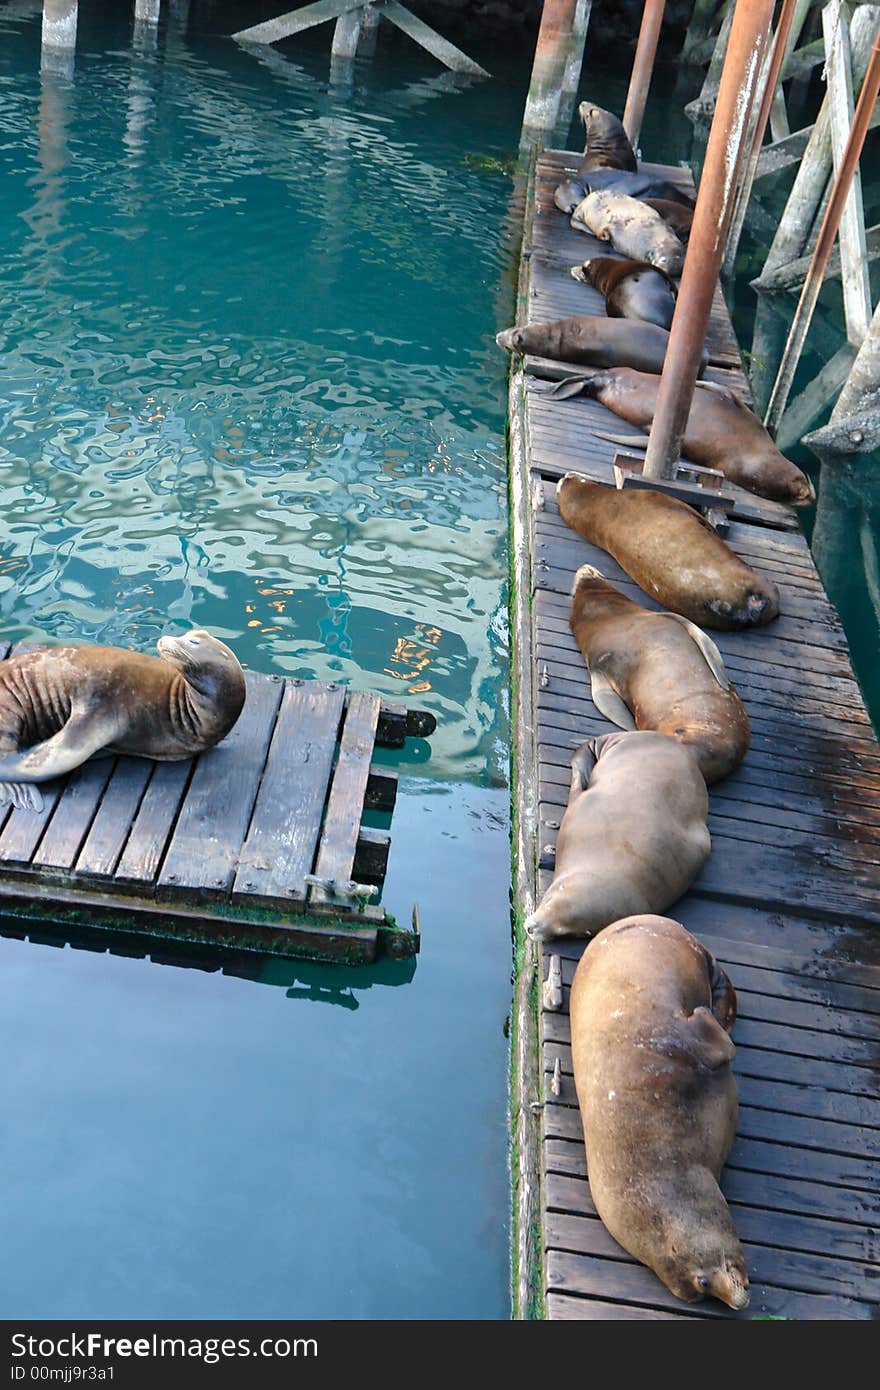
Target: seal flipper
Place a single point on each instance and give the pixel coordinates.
(84, 734)
(707, 1041)
(582, 763)
(608, 702)
(23, 795)
(712, 655)
(578, 385)
(723, 993)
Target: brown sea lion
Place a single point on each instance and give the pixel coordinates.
(670, 551)
(721, 431)
(658, 671)
(61, 705)
(650, 1013)
(631, 289)
(633, 837)
(641, 185)
(590, 341)
(632, 227)
(678, 218)
(607, 145)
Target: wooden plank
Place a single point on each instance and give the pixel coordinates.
(283, 836)
(145, 846)
(335, 860)
(203, 852)
(110, 828)
(23, 829)
(73, 816)
(562, 1308)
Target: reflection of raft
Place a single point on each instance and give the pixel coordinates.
(257, 843)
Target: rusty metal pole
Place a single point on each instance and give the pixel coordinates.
(642, 69)
(827, 232)
(548, 70)
(715, 200)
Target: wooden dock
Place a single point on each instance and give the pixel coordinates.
(257, 843)
(788, 900)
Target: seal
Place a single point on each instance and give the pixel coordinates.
(639, 185)
(658, 671)
(677, 217)
(631, 289)
(61, 705)
(651, 1012)
(632, 227)
(670, 551)
(633, 837)
(607, 145)
(590, 341)
(721, 431)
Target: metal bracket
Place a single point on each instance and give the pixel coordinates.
(699, 487)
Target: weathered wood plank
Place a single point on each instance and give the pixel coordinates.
(336, 855)
(140, 860)
(110, 828)
(73, 816)
(283, 836)
(205, 844)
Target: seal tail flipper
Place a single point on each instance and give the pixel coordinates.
(712, 655)
(723, 993)
(583, 761)
(23, 795)
(629, 441)
(608, 702)
(586, 385)
(707, 1041)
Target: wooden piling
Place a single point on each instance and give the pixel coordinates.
(551, 56)
(59, 24)
(853, 248)
(147, 11)
(572, 75)
(714, 209)
(642, 69)
(346, 35)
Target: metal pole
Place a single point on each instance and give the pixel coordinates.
(548, 70)
(724, 151)
(827, 232)
(780, 48)
(642, 69)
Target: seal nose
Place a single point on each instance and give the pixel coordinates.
(535, 928)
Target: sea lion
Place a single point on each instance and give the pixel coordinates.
(678, 218)
(607, 145)
(61, 705)
(658, 671)
(670, 551)
(640, 185)
(650, 1013)
(631, 289)
(590, 341)
(721, 431)
(632, 227)
(633, 837)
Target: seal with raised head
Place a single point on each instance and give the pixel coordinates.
(658, 671)
(61, 705)
(633, 837)
(590, 341)
(670, 551)
(631, 289)
(721, 431)
(607, 145)
(632, 227)
(678, 218)
(639, 185)
(651, 1011)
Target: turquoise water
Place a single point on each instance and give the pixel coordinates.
(248, 381)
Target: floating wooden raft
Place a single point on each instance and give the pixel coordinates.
(257, 842)
(788, 900)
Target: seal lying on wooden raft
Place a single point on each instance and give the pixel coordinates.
(640, 185)
(651, 1011)
(677, 217)
(670, 551)
(721, 432)
(607, 144)
(658, 671)
(631, 289)
(633, 837)
(61, 705)
(591, 341)
(632, 227)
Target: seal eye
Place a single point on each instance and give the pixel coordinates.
(194, 641)
(703, 1281)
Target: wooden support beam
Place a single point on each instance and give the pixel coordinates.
(853, 251)
(806, 408)
(704, 104)
(346, 35)
(551, 55)
(147, 11)
(296, 21)
(369, 31)
(855, 419)
(59, 24)
(700, 28)
(571, 76)
(792, 276)
(790, 149)
(429, 39)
